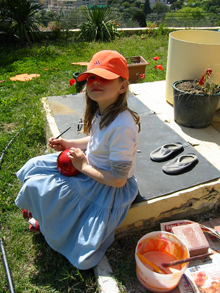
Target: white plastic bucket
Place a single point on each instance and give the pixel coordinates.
(190, 54)
(151, 280)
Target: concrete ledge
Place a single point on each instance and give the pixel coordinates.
(104, 277)
(179, 205)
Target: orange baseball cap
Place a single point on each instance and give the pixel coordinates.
(107, 64)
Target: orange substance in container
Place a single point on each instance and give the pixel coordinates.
(157, 258)
(156, 248)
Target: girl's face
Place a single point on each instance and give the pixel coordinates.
(105, 92)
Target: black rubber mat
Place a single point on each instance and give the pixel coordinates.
(152, 181)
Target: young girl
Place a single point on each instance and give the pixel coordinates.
(78, 215)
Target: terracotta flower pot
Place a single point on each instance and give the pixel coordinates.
(193, 110)
(136, 66)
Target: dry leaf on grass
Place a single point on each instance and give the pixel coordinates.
(24, 77)
(80, 63)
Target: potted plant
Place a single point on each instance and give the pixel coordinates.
(195, 101)
(136, 66)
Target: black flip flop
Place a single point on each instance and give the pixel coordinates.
(165, 151)
(180, 163)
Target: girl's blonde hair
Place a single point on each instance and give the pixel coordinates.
(110, 113)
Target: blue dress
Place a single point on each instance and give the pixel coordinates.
(77, 215)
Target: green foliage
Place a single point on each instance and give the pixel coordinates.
(127, 14)
(126, 5)
(59, 23)
(210, 11)
(45, 17)
(160, 8)
(17, 19)
(98, 27)
(137, 4)
(74, 18)
(176, 5)
(140, 17)
(209, 87)
(147, 9)
(187, 16)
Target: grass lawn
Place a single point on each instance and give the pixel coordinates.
(35, 266)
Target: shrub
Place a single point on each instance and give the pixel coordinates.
(97, 26)
(17, 19)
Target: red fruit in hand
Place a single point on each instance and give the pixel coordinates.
(64, 164)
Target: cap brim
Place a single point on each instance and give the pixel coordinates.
(100, 72)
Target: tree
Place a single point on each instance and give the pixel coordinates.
(137, 3)
(147, 9)
(176, 5)
(44, 17)
(126, 5)
(127, 13)
(140, 17)
(160, 8)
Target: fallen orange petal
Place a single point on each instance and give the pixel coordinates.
(24, 77)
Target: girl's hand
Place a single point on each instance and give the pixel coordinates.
(79, 161)
(78, 158)
(59, 144)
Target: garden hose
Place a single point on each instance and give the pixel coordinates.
(6, 266)
(4, 257)
(7, 146)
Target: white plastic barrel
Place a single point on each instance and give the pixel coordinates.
(190, 54)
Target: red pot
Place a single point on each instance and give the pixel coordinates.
(64, 164)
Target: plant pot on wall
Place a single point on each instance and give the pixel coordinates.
(136, 66)
(192, 109)
(190, 52)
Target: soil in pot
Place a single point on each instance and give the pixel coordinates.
(193, 108)
(191, 86)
